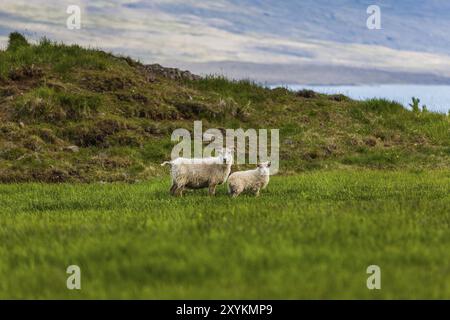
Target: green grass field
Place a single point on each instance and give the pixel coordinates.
(360, 183)
(308, 236)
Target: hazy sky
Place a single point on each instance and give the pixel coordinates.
(414, 35)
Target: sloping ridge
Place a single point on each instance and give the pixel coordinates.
(73, 114)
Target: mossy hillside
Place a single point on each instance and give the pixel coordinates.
(120, 116)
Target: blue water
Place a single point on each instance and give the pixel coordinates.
(435, 97)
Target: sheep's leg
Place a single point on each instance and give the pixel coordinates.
(176, 190)
(212, 190)
(173, 188)
(257, 193)
(180, 191)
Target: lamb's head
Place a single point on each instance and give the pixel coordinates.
(226, 156)
(264, 168)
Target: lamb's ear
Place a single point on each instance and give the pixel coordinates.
(269, 163)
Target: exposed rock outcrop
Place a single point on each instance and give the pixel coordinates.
(154, 70)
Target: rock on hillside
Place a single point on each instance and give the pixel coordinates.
(153, 70)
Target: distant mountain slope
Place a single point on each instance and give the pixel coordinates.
(419, 26)
(74, 114)
(406, 25)
(413, 45)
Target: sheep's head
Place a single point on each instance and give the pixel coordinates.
(226, 155)
(263, 168)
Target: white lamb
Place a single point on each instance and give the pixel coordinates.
(200, 173)
(250, 180)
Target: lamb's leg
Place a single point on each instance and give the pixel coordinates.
(234, 192)
(257, 193)
(212, 190)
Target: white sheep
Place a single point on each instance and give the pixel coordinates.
(200, 173)
(250, 180)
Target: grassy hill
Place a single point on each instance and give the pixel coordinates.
(75, 114)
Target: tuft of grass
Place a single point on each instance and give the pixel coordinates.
(382, 106)
(241, 90)
(47, 104)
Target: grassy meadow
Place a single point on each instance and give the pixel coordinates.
(307, 236)
(82, 134)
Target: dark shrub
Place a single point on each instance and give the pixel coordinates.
(16, 40)
(305, 93)
(338, 97)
